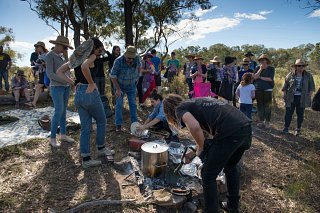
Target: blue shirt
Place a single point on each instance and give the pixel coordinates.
(158, 113)
(156, 62)
(126, 75)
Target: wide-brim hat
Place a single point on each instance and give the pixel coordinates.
(300, 62)
(40, 44)
(245, 61)
(264, 56)
(248, 54)
(20, 72)
(131, 52)
(80, 54)
(215, 59)
(198, 58)
(189, 56)
(62, 41)
(228, 60)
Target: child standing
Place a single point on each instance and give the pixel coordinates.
(246, 92)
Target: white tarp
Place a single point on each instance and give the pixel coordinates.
(27, 126)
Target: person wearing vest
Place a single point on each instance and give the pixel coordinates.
(297, 90)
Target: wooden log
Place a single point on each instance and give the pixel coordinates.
(9, 99)
(92, 204)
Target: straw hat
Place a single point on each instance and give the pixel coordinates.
(300, 62)
(61, 40)
(40, 44)
(215, 59)
(198, 58)
(245, 61)
(264, 56)
(131, 52)
(80, 54)
(248, 54)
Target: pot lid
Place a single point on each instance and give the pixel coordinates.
(154, 147)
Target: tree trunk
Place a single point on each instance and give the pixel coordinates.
(128, 6)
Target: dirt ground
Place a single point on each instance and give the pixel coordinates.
(280, 173)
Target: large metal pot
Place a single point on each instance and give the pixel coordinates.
(154, 157)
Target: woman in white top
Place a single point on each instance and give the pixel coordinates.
(246, 92)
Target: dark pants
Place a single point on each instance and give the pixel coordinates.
(190, 85)
(139, 89)
(4, 76)
(164, 126)
(224, 154)
(216, 87)
(264, 101)
(290, 110)
(246, 109)
(171, 75)
(101, 84)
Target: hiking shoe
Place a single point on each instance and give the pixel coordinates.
(105, 151)
(67, 139)
(53, 143)
(118, 128)
(90, 163)
(297, 132)
(285, 130)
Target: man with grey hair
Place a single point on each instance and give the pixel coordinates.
(124, 76)
(5, 65)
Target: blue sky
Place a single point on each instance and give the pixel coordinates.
(273, 23)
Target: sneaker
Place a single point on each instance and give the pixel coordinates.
(118, 128)
(297, 132)
(66, 139)
(285, 130)
(90, 163)
(105, 151)
(53, 143)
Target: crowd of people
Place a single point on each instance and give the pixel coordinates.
(228, 130)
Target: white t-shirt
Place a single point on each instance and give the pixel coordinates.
(245, 93)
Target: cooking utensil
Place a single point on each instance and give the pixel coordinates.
(182, 157)
(154, 158)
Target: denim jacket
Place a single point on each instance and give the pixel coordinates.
(290, 86)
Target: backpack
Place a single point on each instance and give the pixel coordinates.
(315, 105)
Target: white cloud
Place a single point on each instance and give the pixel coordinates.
(251, 16)
(315, 13)
(265, 12)
(200, 12)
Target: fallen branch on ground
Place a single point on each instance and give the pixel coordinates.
(91, 204)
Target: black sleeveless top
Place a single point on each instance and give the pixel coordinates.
(80, 77)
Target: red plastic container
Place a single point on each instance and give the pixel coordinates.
(135, 144)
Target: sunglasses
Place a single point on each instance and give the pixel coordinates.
(130, 58)
(65, 48)
(245, 64)
(300, 66)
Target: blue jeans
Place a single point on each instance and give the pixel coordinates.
(246, 109)
(60, 97)
(89, 106)
(131, 94)
(4, 75)
(225, 154)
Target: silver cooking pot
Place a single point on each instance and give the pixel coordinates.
(154, 157)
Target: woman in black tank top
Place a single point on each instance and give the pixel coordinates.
(87, 99)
